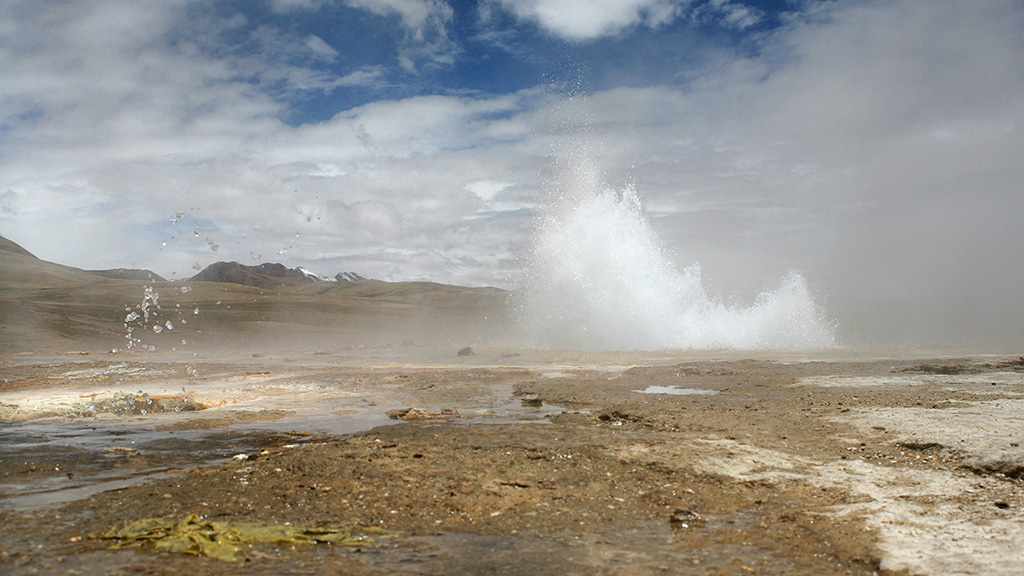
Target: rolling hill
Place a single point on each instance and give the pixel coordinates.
(49, 307)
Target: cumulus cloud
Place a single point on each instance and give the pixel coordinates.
(588, 19)
(584, 20)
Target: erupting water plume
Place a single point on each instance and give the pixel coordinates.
(598, 278)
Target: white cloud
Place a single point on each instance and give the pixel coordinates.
(426, 23)
(322, 49)
(486, 190)
(733, 14)
(422, 17)
(583, 20)
(588, 19)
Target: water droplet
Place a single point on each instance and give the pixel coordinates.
(196, 311)
(196, 230)
(158, 328)
(168, 325)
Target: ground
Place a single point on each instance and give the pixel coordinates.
(519, 462)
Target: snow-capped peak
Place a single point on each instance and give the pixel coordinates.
(313, 275)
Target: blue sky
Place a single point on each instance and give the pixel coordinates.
(874, 146)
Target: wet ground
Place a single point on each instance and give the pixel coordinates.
(518, 462)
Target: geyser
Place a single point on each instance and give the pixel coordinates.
(598, 278)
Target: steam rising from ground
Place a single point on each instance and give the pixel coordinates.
(598, 278)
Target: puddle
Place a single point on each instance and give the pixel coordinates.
(677, 391)
(51, 462)
(45, 461)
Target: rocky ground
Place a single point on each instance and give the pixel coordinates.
(517, 462)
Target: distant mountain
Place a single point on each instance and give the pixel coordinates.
(9, 246)
(268, 275)
(12, 247)
(339, 277)
(49, 307)
(129, 274)
(313, 276)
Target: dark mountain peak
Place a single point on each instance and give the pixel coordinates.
(266, 275)
(129, 274)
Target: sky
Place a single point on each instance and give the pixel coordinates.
(876, 147)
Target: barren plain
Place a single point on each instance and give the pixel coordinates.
(386, 429)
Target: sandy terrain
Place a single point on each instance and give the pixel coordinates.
(517, 461)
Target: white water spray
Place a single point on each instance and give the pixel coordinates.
(598, 278)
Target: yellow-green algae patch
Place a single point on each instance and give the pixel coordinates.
(225, 540)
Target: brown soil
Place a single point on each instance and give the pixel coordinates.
(770, 474)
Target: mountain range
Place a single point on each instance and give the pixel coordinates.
(49, 307)
(267, 275)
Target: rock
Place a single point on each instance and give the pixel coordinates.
(410, 414)
(684, 519)
(467, 351)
